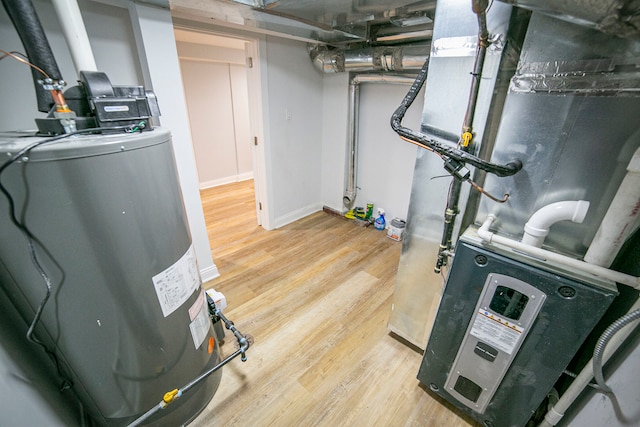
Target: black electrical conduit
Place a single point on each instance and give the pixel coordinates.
(424, 141)
(25, 20)
(244, 343)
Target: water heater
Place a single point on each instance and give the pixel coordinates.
(127, 319)
(506, 329)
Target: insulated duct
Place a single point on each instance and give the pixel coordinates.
(395, 58)
(25, 20)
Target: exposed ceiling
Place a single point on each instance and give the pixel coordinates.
(379, 22)
(333, 22)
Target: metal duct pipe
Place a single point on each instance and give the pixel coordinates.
(25, 20)
(352, 145)
(394, 58)
(353, 124)
(76, 35)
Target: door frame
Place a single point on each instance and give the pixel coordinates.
(256, 85)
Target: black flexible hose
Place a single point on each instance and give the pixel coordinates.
(508, 169)
(25, 20)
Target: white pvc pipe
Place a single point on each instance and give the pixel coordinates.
(76, 34)
(622, 218)
(556, 413)
(537, 228)
(559, 259)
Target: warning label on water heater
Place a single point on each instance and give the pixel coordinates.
(496, 331)
(175, 284)
(200, 321)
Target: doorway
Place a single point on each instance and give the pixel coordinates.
(223, 101)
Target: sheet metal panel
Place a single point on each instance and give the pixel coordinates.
(571, 116)
(417, 287)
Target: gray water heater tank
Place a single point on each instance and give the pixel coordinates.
(127, 318)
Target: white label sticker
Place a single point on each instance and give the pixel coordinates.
(496, 331)
(115, 108)
(200, 325)
(175, 284)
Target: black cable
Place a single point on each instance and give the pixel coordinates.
(422, 140)
(67, 383)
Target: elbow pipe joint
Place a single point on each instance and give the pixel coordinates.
(349, 198)
(537, 228)
(483, 231)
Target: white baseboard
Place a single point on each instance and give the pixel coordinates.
(226, 180)
(209, 273)
(297, 214)
(244, 176)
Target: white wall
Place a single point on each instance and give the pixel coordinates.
(295, 140)
(215, 85)
(218, 105)
(385, 162)
(335, 97)
(208, 91)
(241, 120)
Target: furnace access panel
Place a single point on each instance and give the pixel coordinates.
(506, 329)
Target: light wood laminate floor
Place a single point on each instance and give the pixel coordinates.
(316, 296)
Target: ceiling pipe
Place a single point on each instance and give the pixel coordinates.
(353, 124)
(537, 228)
(389, 58)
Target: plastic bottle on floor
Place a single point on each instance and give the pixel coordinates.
(380, 222)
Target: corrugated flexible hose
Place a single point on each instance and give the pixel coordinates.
(604, 339)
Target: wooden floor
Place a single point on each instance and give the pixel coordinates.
(316, 296)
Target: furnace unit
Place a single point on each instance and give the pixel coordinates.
(506, 329)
